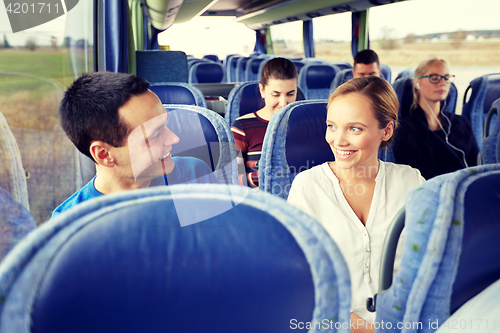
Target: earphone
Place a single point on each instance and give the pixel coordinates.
(446, 134)
(418, 85)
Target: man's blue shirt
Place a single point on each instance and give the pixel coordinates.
(187, 170)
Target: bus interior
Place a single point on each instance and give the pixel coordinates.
(211, 278)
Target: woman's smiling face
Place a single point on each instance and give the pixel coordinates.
(353, 132)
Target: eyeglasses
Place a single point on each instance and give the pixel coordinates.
(435, 78)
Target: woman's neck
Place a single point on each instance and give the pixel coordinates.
(356, 175)
(432, 112)
(265, 113)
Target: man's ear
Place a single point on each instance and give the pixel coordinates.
(100, 151)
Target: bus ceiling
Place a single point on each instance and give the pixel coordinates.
(256, 14)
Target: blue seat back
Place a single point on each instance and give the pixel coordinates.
(342, 76)
(151, 260)
(386, 72)
(444, 261)
(205, 135)
(246, 98)
(193, 61)
(252, 69)
(408, 72)
(207, 72)
(342, 64)
(178, 93)
(164, 66)
(404, 90)
(212, 57)
(12, 174)
(490, 151)
(232, 68)
(484, 91)
(299, 65)
(241, 66)
(315, 79)
(345, 75)
(294, 142)
(15, 222)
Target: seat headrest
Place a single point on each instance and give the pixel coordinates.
(209, 72)
(319, 76)
(173, 94)
(492, 92)
(305, 140)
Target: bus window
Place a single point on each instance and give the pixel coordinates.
(463, 32)
(287, 39)
(209, 35)
(332, 37)
(36, 66)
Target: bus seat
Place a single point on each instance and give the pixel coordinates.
(12, 173)
(231, 67)
(408, 72)
(315, 79)
(490, 151)
(241, 66)
(299, 65)
(294, 142)
(193, 61)
(386, 72)
(483, 305)
(15, 222)
(444, 261)
(342, 76)
(252, 69)
(484, 91)
(341, 64)
(212, 57)
(190, 258)
(178, 93)
(246, 98)
(205, 135)
(404, 90)
(345, 75)
(207, 72)
(162, 66)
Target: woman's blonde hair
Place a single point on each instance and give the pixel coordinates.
(379, 94)
(422, 68)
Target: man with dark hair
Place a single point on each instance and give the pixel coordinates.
(114, 119)
(366, 63)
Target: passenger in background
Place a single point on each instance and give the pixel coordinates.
(431, 140)
(357, 196)
(366, 63)
(278, 88)
(115, 120)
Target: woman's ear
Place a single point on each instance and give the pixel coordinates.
(261, 89)
(388, 131)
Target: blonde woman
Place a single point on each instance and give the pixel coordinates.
(357, 196)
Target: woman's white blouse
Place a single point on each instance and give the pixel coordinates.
(317, 192)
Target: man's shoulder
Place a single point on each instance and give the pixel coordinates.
(85, 193)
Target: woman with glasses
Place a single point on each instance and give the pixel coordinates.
(428, 138)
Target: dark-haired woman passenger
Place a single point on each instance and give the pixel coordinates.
(278, 88)
(357, 196)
